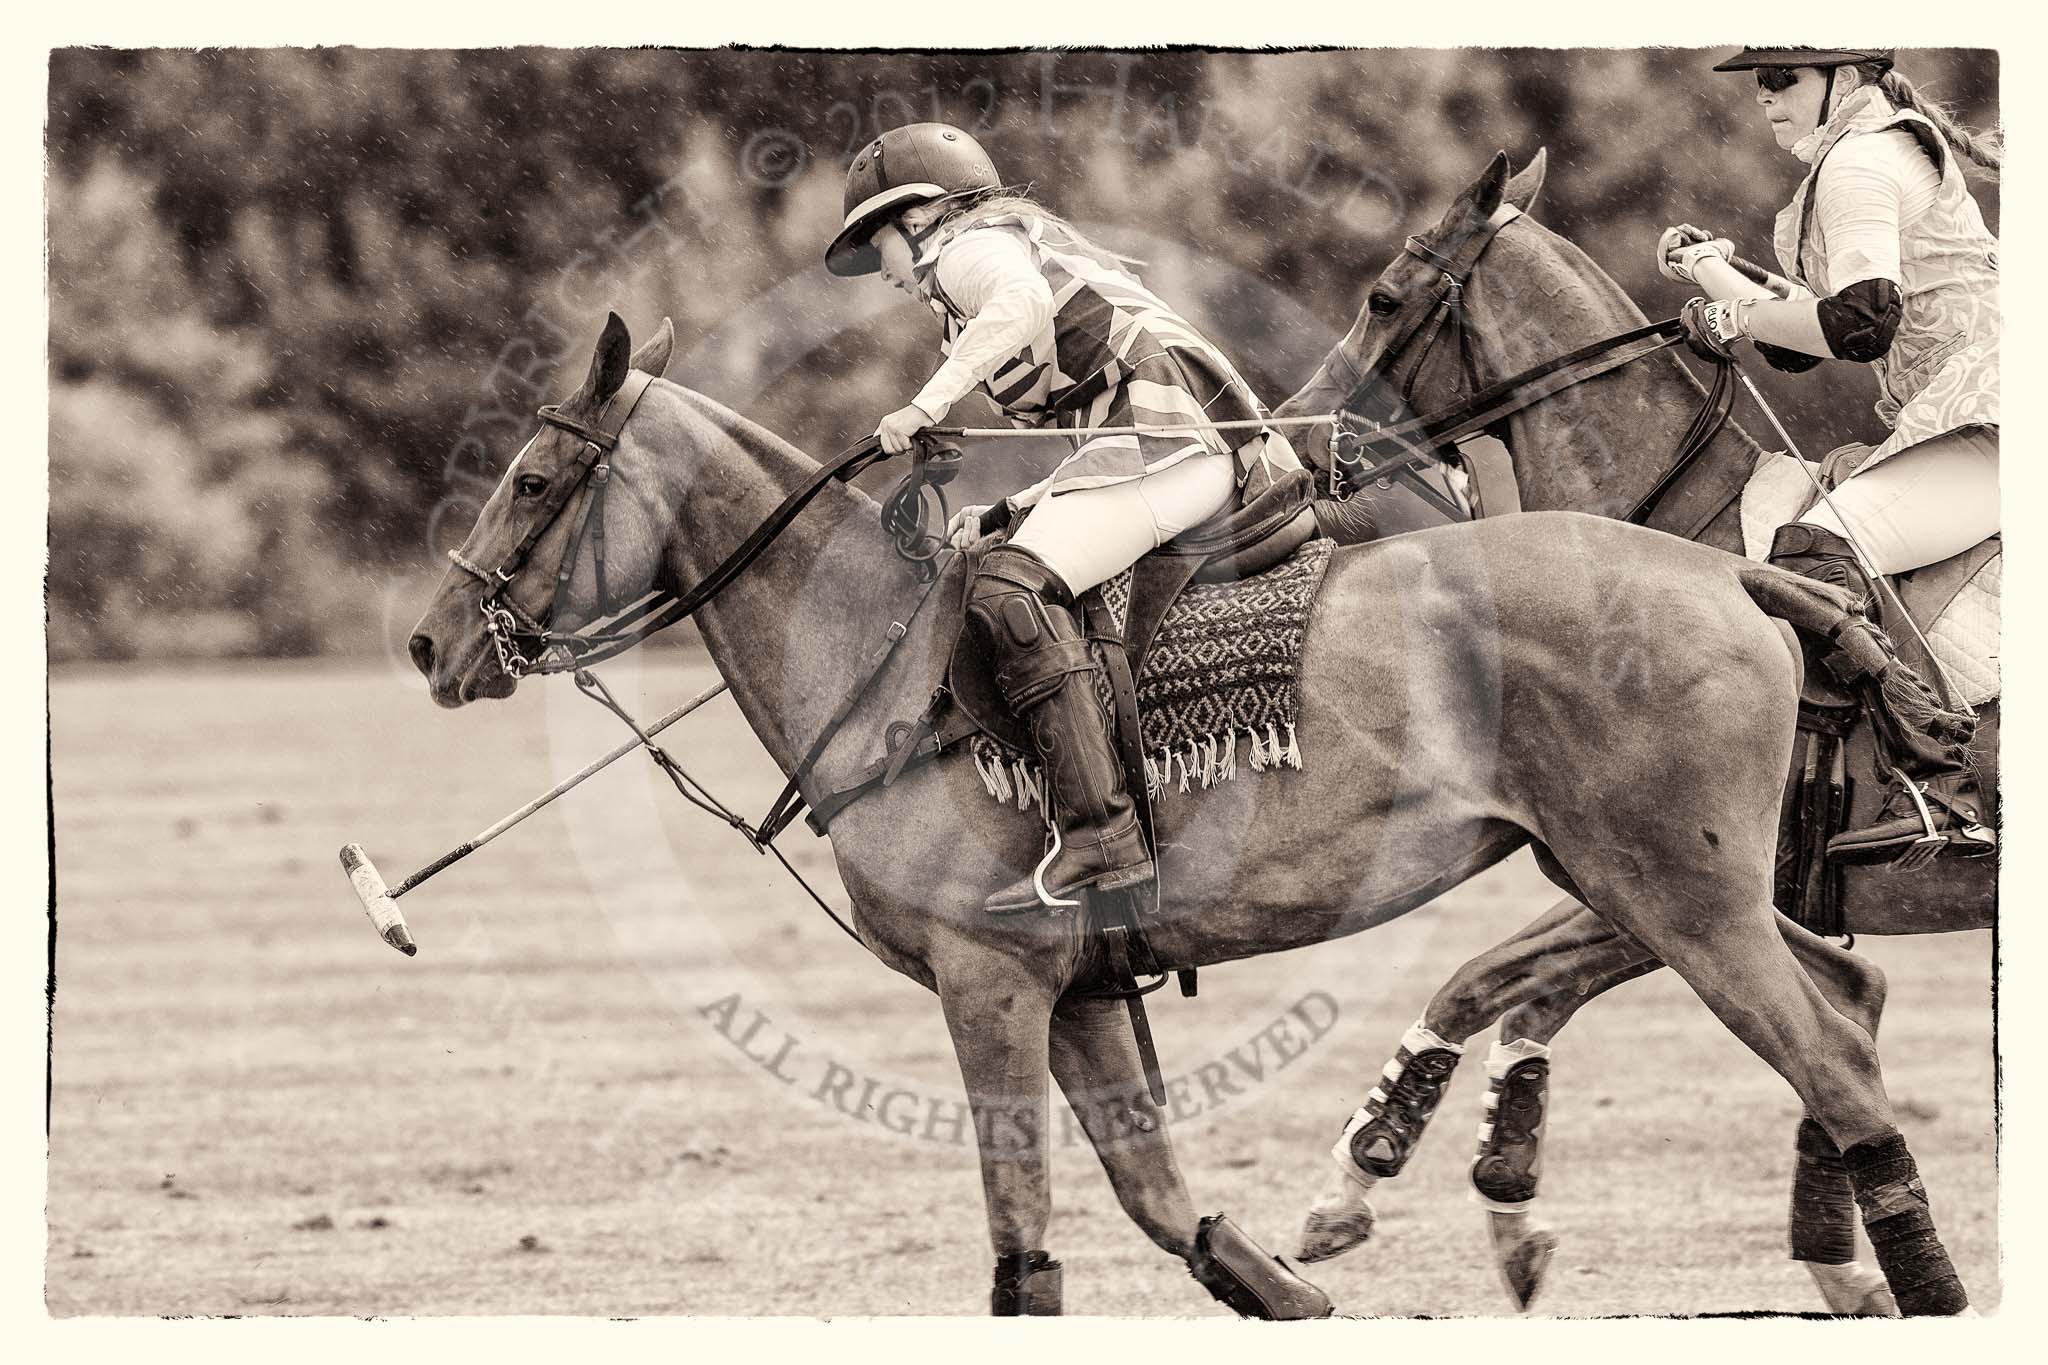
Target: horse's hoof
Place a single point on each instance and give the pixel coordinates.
(1341, 1219)
(1522, 1249)
(1854, 1290)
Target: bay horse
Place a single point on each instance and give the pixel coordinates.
(1599, 447)
(1440, 670)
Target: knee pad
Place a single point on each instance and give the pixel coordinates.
(1018, 605)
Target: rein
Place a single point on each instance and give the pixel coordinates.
(1417, 439)
(528, 646)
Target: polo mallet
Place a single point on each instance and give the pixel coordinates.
(1769, 279)
(380, 901)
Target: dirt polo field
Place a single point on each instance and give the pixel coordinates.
(634, 1072)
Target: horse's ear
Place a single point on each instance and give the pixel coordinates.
(608, 364)
(1492, 183)
(1477, 201)
(654, 356)
(1523, 190)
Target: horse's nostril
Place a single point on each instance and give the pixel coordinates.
(421, 648)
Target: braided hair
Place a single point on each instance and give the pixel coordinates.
(1986, 150)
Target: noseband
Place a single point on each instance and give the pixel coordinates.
(522, 642)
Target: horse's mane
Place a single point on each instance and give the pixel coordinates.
(1593, 291)
(707, 419)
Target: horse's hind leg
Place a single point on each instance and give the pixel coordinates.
(1095, 1060)
(1509, 1161)
(1717, 932)
(1821, 1225)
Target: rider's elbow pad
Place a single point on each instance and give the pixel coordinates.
(1860, 321)
(1791, 362)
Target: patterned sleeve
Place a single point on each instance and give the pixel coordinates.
(990, 277)
(1868, 189)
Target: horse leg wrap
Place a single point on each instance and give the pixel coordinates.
(1901, 1228)
(1239, 1273)
(1510, 1157)
(1384, 1131)
(1821, 1227)
(1028, 1285)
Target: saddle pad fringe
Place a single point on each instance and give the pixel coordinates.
(1224, 665)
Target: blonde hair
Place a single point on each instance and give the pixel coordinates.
(959, 213)
(1983, 149)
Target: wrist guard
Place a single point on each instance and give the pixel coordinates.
(1713, 326)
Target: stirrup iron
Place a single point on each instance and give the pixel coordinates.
(1922, 850)
(1045, 896)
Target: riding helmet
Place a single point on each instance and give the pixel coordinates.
(914, 164)
(1750, 58)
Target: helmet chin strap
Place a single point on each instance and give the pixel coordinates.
(1827, 97)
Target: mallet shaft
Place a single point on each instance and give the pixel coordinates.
(1769, 279)
(380, 902)
(1169, 429)
(456, 855)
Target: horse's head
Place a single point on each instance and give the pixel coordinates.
(1403, 353)
(573, 531)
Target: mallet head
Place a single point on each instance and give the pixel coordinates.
(377, 900)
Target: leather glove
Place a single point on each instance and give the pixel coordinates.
(1682, 248)
(1713, 326)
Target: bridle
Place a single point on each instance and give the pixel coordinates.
(526, 645)
(1382, 391)
(1402, 444)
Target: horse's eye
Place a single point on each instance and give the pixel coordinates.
(530, 485)
(1382, 304)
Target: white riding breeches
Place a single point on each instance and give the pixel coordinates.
(1092, 534)
(1922, 505)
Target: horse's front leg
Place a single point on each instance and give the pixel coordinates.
(999, 1017)
(1384, 1131)
(1095, 1059)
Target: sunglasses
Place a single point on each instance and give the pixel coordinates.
(1777, 79)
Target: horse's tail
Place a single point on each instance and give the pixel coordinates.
(1857, 650)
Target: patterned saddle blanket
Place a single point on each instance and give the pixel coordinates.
(1955, 602)
(1219, 684)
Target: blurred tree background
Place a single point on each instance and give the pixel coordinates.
(303, 302)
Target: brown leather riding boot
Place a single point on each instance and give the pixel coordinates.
(1949, 814)
(1047, 676)
(1952, 808)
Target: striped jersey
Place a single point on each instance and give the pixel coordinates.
(1112, 354)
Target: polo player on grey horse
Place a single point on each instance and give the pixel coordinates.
(1058, 333)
